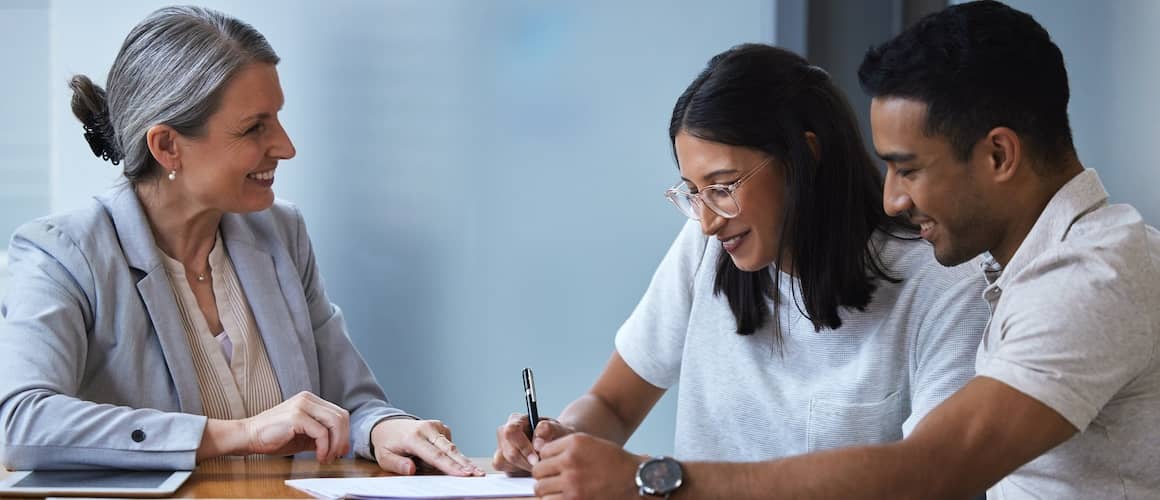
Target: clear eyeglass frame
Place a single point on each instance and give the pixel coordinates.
(720, 198)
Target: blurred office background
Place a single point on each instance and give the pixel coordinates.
(483, 180)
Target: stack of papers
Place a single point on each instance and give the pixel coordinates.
(399, 487)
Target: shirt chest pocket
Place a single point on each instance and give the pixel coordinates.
(837, 423)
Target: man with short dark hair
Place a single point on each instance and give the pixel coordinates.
(969, 112)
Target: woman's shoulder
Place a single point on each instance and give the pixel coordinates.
(73, 228)
(692, 248)
(282, 221)
(280, 228)
(282, 215)
(911, 259)
(72, 248)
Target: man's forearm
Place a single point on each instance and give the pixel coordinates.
(976, 437)
(891, 471)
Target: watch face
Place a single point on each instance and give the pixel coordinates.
(661, 475)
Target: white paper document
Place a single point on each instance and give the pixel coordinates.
(400, 487)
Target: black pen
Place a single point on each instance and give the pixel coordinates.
(530, 397)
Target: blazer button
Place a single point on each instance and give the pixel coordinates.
(138, 435)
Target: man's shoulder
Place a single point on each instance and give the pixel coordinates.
(1111, 238)
(1118, 227)
(1109, 260)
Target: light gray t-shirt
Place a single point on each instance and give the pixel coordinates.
(870, 381)
(1076, 325)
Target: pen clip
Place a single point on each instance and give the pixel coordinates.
(529, 385)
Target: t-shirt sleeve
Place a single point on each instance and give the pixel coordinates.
(652, 340)
(943, 357)
(1073, 332)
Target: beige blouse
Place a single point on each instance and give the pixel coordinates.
(234, 375)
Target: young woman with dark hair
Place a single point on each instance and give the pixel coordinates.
(792, 311)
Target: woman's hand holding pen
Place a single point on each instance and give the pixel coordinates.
(584, 466)
(515, 453)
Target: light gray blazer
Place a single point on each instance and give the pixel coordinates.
(95, 368)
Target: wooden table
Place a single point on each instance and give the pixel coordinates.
(262, 477)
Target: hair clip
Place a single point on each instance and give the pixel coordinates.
(98, 135)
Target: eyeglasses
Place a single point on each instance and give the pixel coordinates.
(718, 197)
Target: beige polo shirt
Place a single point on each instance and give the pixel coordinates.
(1076, 325)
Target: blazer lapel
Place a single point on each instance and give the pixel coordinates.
(262, 287)
(141, 253)
(157, 294)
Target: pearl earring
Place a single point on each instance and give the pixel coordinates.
(172, 175)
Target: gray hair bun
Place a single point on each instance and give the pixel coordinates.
(89, 106)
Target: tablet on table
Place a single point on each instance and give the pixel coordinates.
(92, 483)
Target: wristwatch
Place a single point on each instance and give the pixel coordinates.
(658, 477)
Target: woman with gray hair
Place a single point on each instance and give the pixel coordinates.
(181, 316)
